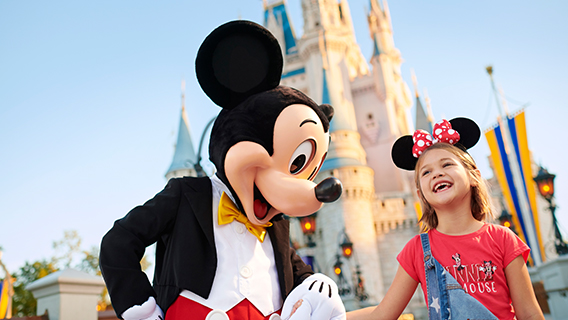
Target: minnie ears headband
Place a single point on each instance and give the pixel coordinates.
(460, 132)
(236, 60)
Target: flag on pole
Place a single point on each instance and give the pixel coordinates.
(5, 298)
(518, 130)
(6, 293)
(512, 165)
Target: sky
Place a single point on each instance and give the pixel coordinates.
(90, 96)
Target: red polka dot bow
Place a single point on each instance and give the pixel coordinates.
(443, 132)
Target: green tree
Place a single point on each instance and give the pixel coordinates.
(23, 302)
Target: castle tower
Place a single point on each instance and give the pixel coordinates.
(184, 154)
(382, 102)
(325, 61)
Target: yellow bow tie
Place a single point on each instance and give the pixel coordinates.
(228, 212)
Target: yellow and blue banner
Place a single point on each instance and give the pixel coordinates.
(508, 142)
(5, 298)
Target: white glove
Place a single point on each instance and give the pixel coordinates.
(149, 310)
(317, 298)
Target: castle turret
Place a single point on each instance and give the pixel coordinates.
(422, 120)
(184, 155)
(386, 118)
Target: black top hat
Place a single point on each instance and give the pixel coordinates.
(402, 154)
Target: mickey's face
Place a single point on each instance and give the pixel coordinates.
(282, 183)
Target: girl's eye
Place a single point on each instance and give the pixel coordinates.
(425, 172)
(447, 164)
(303, 155)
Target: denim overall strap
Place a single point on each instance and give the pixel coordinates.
(446, 298)
(438, 304)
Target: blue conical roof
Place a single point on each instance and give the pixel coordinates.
(421, 121)
(184, 156)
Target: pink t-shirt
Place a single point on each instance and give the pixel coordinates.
(477, 261)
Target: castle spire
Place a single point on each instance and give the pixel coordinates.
(184, 154)
(380, 27)
(422, 120)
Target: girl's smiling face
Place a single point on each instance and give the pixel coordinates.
(443, 179)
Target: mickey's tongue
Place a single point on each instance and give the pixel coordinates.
(260, 209)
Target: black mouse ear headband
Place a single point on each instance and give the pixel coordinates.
(236, 60)
(463, 133)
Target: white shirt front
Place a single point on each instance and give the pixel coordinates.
(245, 266)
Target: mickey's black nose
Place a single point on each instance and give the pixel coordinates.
(328, 190)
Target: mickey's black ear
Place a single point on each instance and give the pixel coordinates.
(236, 60)
(469, 131)
(401, 153)
(327, 111)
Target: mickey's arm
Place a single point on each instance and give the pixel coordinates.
(123, 247)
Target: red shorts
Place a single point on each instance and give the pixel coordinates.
(182, 308)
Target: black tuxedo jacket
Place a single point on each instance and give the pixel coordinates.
(180, 220)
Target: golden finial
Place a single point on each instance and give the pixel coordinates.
(415, 83)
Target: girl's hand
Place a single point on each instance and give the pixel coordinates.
(394, 302)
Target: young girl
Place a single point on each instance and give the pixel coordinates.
(487, 260)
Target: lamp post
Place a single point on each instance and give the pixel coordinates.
(346, 247)
(197, 166)
(308, 225)
(545, 184)
(506, 219)
(342, 284)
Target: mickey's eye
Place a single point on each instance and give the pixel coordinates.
(303, 155)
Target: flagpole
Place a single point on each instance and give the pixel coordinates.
(517, 176)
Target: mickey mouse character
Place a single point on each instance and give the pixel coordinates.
(223, 248)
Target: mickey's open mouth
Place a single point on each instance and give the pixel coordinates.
(261, 206)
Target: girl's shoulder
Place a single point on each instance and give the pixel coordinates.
(497, 230)
(413, 245)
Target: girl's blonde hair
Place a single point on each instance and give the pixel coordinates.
(481, 207)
